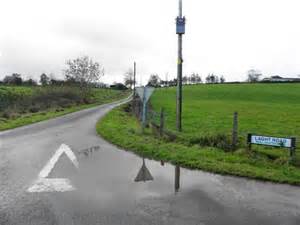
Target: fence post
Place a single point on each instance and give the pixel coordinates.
(144, 112)
(249, 142)
(293, 149)
(177, 178)
(162, 122)
(235, 131)
(133, 106)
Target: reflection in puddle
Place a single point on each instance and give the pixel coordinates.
(143, 174)
(89, 151)
(177, 178)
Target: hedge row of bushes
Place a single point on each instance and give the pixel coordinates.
(20, 101)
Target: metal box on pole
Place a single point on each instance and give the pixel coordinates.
(180, 25)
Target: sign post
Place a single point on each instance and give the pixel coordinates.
(144, 93)
(289, 143)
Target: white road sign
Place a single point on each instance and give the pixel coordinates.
(44, 184)
(271, 141)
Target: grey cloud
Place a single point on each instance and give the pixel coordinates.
(95, 34)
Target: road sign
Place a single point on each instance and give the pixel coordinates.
(273, 141)
(44, 184)
(145, 93)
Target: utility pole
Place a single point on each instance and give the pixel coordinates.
(180, 30)
(134, 74)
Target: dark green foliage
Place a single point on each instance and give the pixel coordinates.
(219, 141)
(18, 105)
(118, 86)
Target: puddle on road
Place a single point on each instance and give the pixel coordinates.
(117, 181)
(111, 179)
(89, 151)
(111, 183)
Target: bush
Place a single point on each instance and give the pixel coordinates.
(34, 109)
(219, 141)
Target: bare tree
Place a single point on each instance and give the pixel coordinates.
(222, 79)
(154, 80)
(193, 78)
(253, 75)
(128, 78)
(84, 71)
(198, 79)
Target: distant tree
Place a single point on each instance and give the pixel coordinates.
(173, 82)
(128, 78)
(118, 86)
(222, 79)
(84, 71)
(14, 79)
(212, 79)
(253, 76)
(44, 79)
(193, 78)
(198, 79)
(217, 80)
(56, 82)
(185, 80)
(154, 80)
(207, 79)
(30, 82)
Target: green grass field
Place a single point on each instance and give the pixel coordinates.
(269, 109)
(21, 106)
(266, 109)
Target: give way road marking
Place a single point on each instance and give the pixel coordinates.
(44, 184)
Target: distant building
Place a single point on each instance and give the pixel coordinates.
(280, 79)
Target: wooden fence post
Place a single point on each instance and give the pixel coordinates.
(162, 122)
(293, 150)
(249, 145)
(235, 131)
(177, 178)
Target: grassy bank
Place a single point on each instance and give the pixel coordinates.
(21, 106)
(264, 109)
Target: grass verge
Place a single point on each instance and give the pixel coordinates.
(123, 130)
(98, 97)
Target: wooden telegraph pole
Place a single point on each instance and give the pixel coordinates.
(180, 30)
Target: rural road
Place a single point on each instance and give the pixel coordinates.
(104, 190)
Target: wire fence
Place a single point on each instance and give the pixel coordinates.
(232, 139)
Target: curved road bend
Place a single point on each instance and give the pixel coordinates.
(104, 190)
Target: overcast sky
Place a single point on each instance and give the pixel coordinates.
(225, 37)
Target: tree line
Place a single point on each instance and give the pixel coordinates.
(82, 71)
(156, 81)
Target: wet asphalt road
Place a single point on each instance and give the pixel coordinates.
(106, 191)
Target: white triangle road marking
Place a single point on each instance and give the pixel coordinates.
(51, 185)
(44, 184)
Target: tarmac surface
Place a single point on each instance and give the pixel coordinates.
(111, 186)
